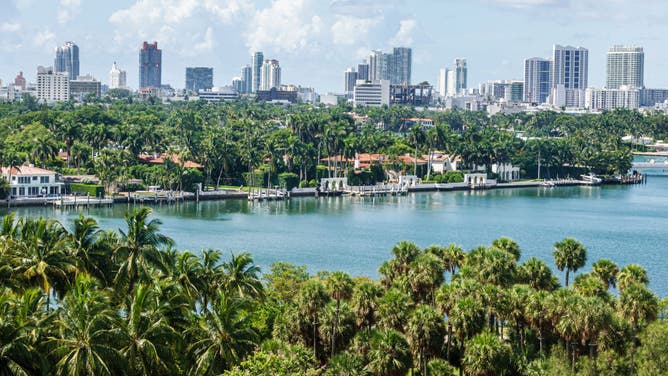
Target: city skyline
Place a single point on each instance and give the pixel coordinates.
(329, 38)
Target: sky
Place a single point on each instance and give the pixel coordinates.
(316, 40)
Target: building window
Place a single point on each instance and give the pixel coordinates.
(44, 179)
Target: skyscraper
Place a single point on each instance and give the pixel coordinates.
(67, 59)
(350, 77)
(625, 66)
(363, 71)
(150, 65)
(20, 81)
(246, 79)
(380, 66)
(442, 81)
(451, 83)
(199, 78)
(400, 70)
(117, 78)
(537, 79)
(256, 63)
(570, 67)
(271, 75)
(460, 75)
(52, 86)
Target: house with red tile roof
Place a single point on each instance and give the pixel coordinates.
(161, 158)
(31, 181)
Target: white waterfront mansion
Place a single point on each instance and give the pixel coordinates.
(31, 181)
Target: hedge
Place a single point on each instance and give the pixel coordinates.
(288, 180)
(90, 189)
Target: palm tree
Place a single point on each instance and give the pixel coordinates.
(138, 247)
(84, 339)
(537, 274)
(393, 309)
(146, 331)
(312, 298)
(424, 331)
(487, 355)
(631, 274)
(569, 254)
(365, 303)
(607, 271)
(241, 276)
(211, 275)
(508, 245)
(20, 325)
(453, 258)
(84, 241)
(389, 354)
(424, 276)
(341, 287)
(39, 256)
(638, 305)
(223, 336)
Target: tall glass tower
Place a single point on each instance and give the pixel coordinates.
(256, 64)
(625, 66)
(150, 65)
(67, 60)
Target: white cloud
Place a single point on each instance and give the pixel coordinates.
(404, 36)
(228, 11)
(10, 27)
(287, 25)
(44, 38)
(349, 30)
(207, 43)
(529, 3)
(68, 9)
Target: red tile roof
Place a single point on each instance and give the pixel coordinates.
(160, 159)
(26, 170)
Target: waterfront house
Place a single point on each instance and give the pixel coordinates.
(442, 162)
(161, 158)
(31, 181)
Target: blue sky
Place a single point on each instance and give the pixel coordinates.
(316, 40)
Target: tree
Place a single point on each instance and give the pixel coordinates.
(312, 298)
(223, 336)
(365, 303)
(508, 245)
(241, 276)
(631, 274)
(607, 271)
(341, 287)
(537, 274)
(487, 355)
(138, 248)
(389, 354)
(653, 353)
(569, 254)
(424, 332)
(638, 305)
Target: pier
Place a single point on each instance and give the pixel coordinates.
(79, 202)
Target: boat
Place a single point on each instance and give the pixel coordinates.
(547, 184)
(591, 178)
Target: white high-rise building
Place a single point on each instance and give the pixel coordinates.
(52, 86)
(350, 78)
(570, 67)
(372, 94)
(625, 67)
(610, 99)
(451, 83)
(117, 77)
(271, 75)
(442, 82)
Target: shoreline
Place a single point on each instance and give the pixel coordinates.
(313, 192)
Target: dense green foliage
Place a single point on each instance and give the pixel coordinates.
(87, 189)
(230, 139)
(85, 301)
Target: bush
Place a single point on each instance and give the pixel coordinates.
(303, 184)
(288, 180)
(90, 189)
(312, 183)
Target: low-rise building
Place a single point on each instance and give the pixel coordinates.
(31, 181)
(371, 94)
(610, 99)
(83, 86)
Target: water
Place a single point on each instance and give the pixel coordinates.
(628, 224)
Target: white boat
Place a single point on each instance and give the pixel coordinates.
(591, 178)
(547, 184)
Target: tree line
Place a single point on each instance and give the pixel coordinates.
(80, 300)
(237, 142)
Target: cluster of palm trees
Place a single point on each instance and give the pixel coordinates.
(82, 301)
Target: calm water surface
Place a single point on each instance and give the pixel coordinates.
(628, 224)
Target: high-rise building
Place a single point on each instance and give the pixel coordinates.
(199, 78)
(442, 81)
(84, 86)
(363, 71)
(256, 63)
(350, 78)
(625, 67)
(67, 59)
(570, 67)
(20, 81)
(451, 83)
(400, 69)
(150, 66)
(271, 75)
(246, 79)
(537, 79)
(117, 78)
(460, 75)
(610, 99)
(52, 86)
(380, 66)
(237, 84)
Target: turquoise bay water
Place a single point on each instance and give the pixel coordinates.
(628, 224)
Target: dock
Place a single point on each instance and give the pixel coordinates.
(79, 202)
(377, 190)
(268, 195)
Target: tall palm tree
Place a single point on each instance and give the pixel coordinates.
(146, 333)
(607, 271)
(84, 241)
(508, 245)
(211, 275)
(537, 274)
(631, 274)
(389, 354)
(241, 276)
(453, 258)
(340, 286)
(424, 332)
(393, 309)
(84, 341)
(138, 247)
(223, 336)
(365, 303)
(487, 355)
(20, 325)
(569, 254)
(638, 305)
(312, 298)
(424, 276)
